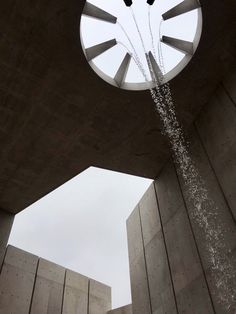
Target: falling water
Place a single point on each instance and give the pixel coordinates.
(204, 211)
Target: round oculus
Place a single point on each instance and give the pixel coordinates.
(117, 36)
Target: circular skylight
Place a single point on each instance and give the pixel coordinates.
(116, 39)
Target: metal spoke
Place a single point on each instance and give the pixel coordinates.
(183, 7)
(157, 75)
(94, 51)
(97, 13)
(178, 44)
(122, 71)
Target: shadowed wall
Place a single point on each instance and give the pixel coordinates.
(169, 259)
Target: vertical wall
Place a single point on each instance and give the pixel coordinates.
(48, 289)
(17, 281)
(189, 282)
(30, 285)
(216, 127)
(99, 298)
(138, 273)
(6, 221)
(75, 294)
(162, 232)
(151, 284)
(122, 310)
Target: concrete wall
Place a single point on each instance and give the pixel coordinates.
(75, 293)
(29, 284)
(169, 259)
(99, 298)
(122, 310)
(17, 281)
(49, 287)
(6, 221)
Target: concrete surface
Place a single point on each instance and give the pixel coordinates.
(99, 298)
(138, 268)
(95, 12)
(178, 44)
(122, 71)
(223, 217)
(170, 263)
(52, 127)
(29, 285)
(6, 221)
(17, 281)
(75, 294)
(95, 51)
(173, 241)
(48, 290)
(183, 7)
(217, 128)
(122, 310)
(160, 286)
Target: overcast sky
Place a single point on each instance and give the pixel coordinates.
(81, 226)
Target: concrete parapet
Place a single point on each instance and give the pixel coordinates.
(37, 286)
(122, 310)
(99, 297)
(17, 281)
(75, 294)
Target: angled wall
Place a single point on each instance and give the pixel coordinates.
(6, 221)
(169, 254)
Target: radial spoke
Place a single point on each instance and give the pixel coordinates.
(179, 44)
(157, 75)
(183, 7)
(94, 51)
(122, 71)
(97, 13)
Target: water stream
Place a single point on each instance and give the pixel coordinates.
(203, 211)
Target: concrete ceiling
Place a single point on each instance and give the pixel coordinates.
(58, 117)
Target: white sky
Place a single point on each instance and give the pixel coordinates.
(82, 226)
(95, 31)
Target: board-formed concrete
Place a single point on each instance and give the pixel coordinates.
(138, 274)
(99, 298)
(17, 281)
(29, 285)
(122, 310)
(48, 290)
(221, 218)
(76, 294)
(168, 272)
(159, 279)
(174, 238)
(183, 256)
(217, 128)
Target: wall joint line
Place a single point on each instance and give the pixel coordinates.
(167, 255)
(195, 241)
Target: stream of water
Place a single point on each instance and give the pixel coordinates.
(202, 210)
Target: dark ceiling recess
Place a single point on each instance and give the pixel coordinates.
(58, 117)
(150, 2)
(128, 3)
